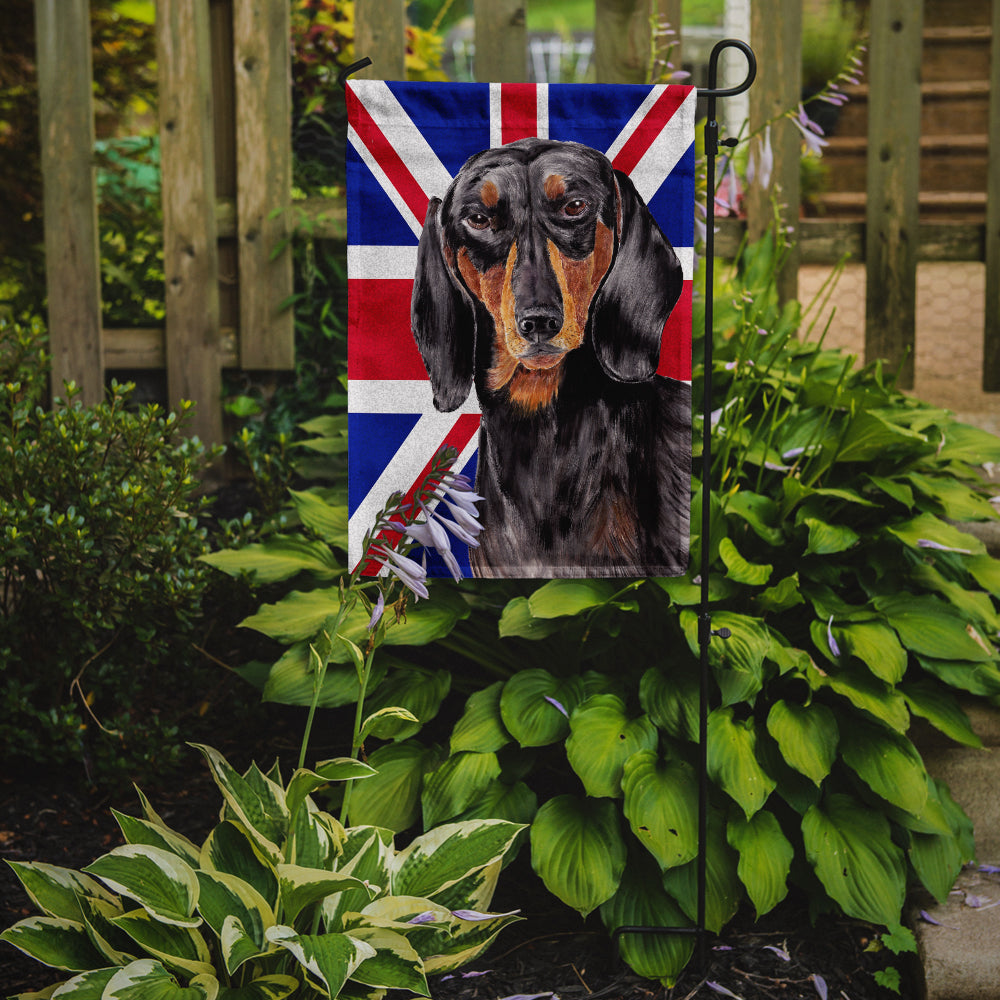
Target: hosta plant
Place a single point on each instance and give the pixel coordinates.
(279, 900)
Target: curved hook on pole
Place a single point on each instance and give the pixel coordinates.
(352, 68)
(712, 90)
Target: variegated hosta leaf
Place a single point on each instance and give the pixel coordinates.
(329, 959)
(116, 946)
(147, 979)
(476, 890)
(441, 857)
(274, 987)
(256, 801)
(888, 763)
(481, 727)
(391, 799)
(300, 887)
(850, 847)
(661, 799)
(395, 964)
(535, 706)
(56, 891)
(367, 853)
(54, 941)
(642, 902)
(578, 851)
(765, 858)
(141, 831)
(158, 880)
(304, 782)
(732, 760)
(225, 897)
(315, 838)
(230, 849)
(87, 986)
(807, 736)
(177, 947)
(456, 784)
(466, 941)
(602, 737)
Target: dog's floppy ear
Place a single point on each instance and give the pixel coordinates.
(443, 319)
(641, 288)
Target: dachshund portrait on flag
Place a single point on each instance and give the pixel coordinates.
(543, 279)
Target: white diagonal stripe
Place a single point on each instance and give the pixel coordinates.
(381, 262)
(666, 150)
(398, 396)
(415, 224)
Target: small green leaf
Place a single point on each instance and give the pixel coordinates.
(517, 620)
(384, 723)
(279, 558)
(807, 736)
(740, 570)
(732, 760)
(481, 727)
(827, 539)
(328, 521)
(391, 798)
(559, 598)
(765, 858)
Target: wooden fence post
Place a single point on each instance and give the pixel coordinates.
(668, 13)
(72, 255)
(893, 183)
(380, 34)
(991, 332)
(190, 252)
(501, 41)
(262, 61)
(776, 34)
(621, 40)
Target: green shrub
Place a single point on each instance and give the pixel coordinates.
(280, 899)
(99, 541)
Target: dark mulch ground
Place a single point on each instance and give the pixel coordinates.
(54, 820)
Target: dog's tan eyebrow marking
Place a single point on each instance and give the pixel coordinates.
(489, 195)
(554, 186)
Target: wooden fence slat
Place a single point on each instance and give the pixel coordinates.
(190, 253)
(776, 35)
(501, 41)
(668, 13)
(72, 256)
(262, 61)
(991, 332)
(380, 34)
(892, 215)
(621, 40)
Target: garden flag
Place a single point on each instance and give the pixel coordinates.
(519, 261)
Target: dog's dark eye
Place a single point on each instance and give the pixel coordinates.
(477, 221)
(575, 207)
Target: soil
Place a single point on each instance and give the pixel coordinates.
(550, 953)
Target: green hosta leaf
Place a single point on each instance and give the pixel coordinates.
(807, 736)
(671, 699)
(937, 859)
(941, 709)
(893, 488)
(684, 592)
(986, 571)
(304, 782)
(456, 784)
(827, 539)
(758, 511)
(147, 979)
(292, 680)
(279, 558)
(527, 711)
(391, 798)
(578, 851)
(180, 948)
(723, 889)
(888, 763)
(602, 738)
(141, 831)
(876, 646)
(225, 897)
(869, 436)
(515, 803)
(417, 690)
(395, 964)
(386, 723)
(641, 901)
(230, 849)
(976, 678)
(783, 595)
(159, 881)
(765, 858)
(56, 891)
(865, 692)
(54, 941)
(976, 605)
(957, 501)
(559, 598)
(327, 520)
(931, 628)
(928, 528)
(274, 987)
(98, 916)
(752, 574)
(481, 728)
(850, 847)
(443, 856)
(260, 809)
(661, 800)
(330, 959)
(301, 887)
(965, 443)
(732, 760)
(517, 620)
(738, 661)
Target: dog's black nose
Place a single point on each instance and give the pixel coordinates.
(540, 324)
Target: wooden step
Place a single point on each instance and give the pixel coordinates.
(956, 53)
(939, 13)
(946, 104)
(964, 206)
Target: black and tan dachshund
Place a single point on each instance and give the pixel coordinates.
(542, 277)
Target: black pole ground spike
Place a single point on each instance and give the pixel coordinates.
(705, 630)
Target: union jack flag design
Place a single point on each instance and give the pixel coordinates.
(406, 143)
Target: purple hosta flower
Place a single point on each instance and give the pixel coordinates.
(990, 869)
(927, 543)
(552, 701)
(811, 132)
(834, 648)
(727, 197)
(820, 984)
(377, 612)
(761, 163)
(531, 996)
(475, 915)
(465, 975)
(780, 952)
(409, 572)
(927, 918)
(431, 535)
(719, 988)
(427, 917)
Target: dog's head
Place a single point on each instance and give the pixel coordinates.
(560, 250)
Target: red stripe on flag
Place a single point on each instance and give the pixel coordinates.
(675, 347)
(518, 112)
(380, 343)
(466, 425)
(649, 128)
(387, 158)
